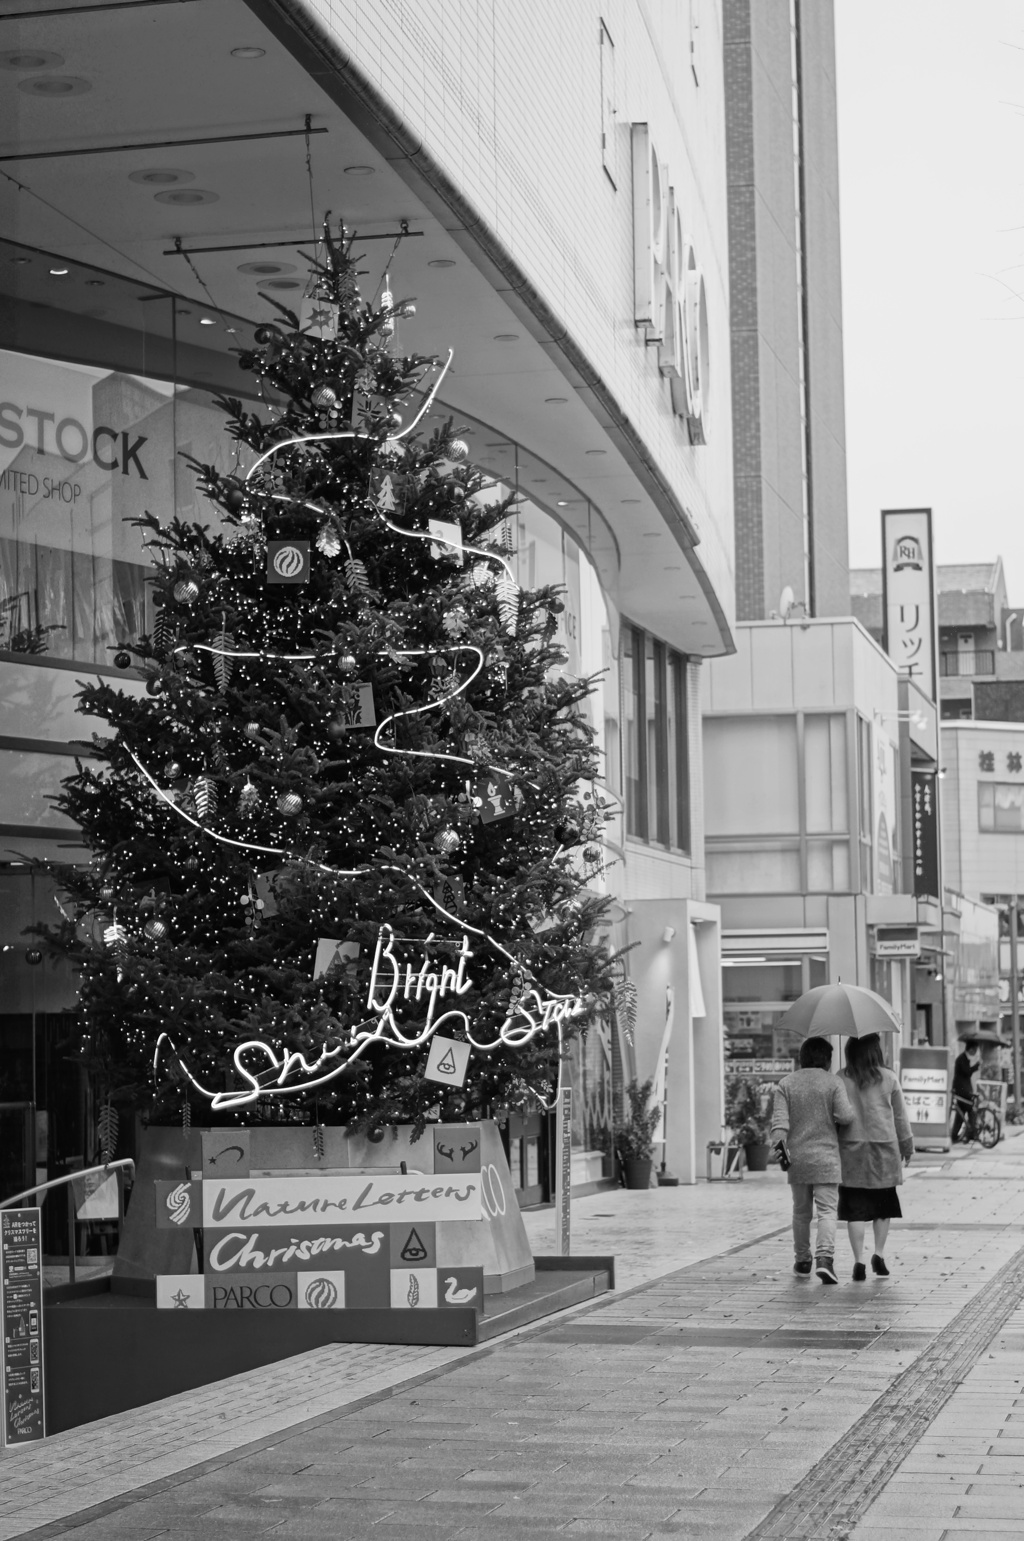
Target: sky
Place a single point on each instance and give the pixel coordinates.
(931, 169)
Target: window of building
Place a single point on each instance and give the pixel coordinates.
(1001, 806)
(656, 755)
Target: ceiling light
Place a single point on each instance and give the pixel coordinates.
(161, 176)
(94, 283)
(359, 171)
(55, 85)
(563, 503)
(232, 331)
(442, 262)
(555, 401)
(248, 53)
(506, 336)
(20, 261)
(207, 321)
(264, 269)
(280, 283)
(186, 196)
(29, 59)
(59, 272)
(597, 452)
(631, 500)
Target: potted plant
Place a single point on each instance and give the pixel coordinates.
(748, 1115)
(634, 1135)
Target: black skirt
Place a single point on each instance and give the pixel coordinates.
(869, 1204)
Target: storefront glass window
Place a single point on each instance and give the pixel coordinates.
(1000, 806)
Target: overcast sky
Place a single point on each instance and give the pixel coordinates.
(931, 167)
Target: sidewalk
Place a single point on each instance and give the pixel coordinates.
(692, 1402)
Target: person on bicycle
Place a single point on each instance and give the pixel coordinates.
(965, 1067)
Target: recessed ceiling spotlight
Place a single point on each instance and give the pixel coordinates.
(185, 196)
(59, 272)
(248, 53)
(555, 401)
(161, 176)
(563, 503)
(442, 262)
(631, 500)
(360, 171)
(207, 321)
(597, 452)
(20, 261)
(29, 59)
(232, 331)
(280, 283)
(506, 336)
(55, 85)
(539, 479)
(265, 269)
(94, 283)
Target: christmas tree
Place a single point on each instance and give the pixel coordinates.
(356, 805)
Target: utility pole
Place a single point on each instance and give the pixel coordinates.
(1014, 1004)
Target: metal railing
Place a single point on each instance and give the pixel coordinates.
(967, 664)
(117, 1168)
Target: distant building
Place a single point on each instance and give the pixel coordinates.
(785, 291)
(981, 640)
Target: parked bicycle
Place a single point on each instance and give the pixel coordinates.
(981, 1123)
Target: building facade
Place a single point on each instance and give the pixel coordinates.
(557, 205)
(789, 433)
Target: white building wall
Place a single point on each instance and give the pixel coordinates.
(977, 861)
(508, 100)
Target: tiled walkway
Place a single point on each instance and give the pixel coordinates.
(687, 1406)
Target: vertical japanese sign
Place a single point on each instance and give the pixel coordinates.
(21, 1326)
(925, 814)
(563, 1183)
(908, 593)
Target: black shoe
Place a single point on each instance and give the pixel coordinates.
(878, 1265)
(860, 1273)
(802, 1265)
(825, 1269)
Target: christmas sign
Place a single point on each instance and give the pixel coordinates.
(21, 1327)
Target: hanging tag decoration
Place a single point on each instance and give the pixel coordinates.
(389, 490)
(495, 797)
(447, 1061)
(253, 906)
(333, 956)
(288, 561)
(450, 538)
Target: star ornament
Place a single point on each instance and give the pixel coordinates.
(181, 1302)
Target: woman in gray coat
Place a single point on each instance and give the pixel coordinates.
(872, 1149)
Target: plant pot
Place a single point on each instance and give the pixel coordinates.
(638, 1173)
(757, 1157)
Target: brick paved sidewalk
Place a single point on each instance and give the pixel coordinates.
(688, 1406)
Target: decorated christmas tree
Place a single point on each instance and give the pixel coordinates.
(356, 807)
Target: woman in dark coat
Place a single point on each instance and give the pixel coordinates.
(872, 1149)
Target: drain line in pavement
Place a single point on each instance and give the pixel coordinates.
(836, 1493)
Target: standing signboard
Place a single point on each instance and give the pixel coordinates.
(908, 594)
(924, 1078)
(21, 1326)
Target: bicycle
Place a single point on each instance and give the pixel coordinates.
(981, 1123)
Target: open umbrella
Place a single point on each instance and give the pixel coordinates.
(985, 1035)
(847, 1009)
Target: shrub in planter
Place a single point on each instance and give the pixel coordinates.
(748, 1116)
(634, 1135)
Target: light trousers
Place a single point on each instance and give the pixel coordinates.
(824, 1199)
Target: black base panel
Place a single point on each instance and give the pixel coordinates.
(106, 1353)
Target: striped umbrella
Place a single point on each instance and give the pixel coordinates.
(846, 1009)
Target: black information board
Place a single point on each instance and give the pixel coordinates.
(21, 1326)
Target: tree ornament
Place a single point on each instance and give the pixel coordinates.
(116, 938)
(233, 494)
(447, 840)
(457, 449)
(123, 659)
(156, 929)
(388, 324)
(154, 685)
(252, 730)
(508, 602)
(290, 804)
(186, 592)
(347, 664)
(204, 796)
(223, 663)
(324, 396)
(248, 798)
(266, 334)
(394, 420)
(106, 894)
(172, 771)
(33, 955)
(328, 541)
(456, 622)
(191, 864)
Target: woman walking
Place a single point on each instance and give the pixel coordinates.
(873, 1149)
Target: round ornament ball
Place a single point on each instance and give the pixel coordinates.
(123, 660)
(347, 663)
(264, 334)
(290, 804)
(394, 420)
(106, 894)
(191, 864)
(458, 449)
(154, 686)
(186, 592)
(458, 494)
(252, 730)
(155, 929)
(172, 770)
(447, 841)
(408, 309)
(33, 955)
(325, 396)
